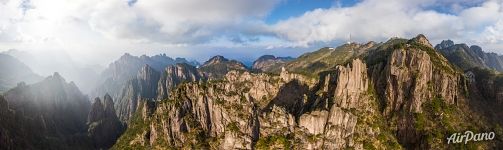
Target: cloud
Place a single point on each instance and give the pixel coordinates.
(166, 21)
(380, 20)
(173, 21)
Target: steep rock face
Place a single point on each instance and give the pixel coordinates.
(249, 110)
(97, 111)
(152, 85)
(148, 78)
(412, 76)
(404, 95)
(104, 125)
(335, 123)
(174, 75)
(144, 86)
(50, 114)
(221, 109)
(120, 72)
(268, 63)
(409, 75)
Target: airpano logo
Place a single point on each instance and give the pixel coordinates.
(470, 136)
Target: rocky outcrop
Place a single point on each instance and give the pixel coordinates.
(413, 76)
(151, 85)
(144, 86)
(421, 39)
(393, 95)
(120, 72)
(174, 75)
(104, 125)
(249, 110)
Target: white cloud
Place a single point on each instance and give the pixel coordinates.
(380, 20)
(368, 20)
(174, 21)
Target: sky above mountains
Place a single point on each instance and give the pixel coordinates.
(99, 31)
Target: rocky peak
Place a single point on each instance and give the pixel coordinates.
(109, 106)
(468, 57)
(102, 109)
(266, 57)
(218, 66)
(444, 44)
(104, 125)
(126, 57)
(109, 103)
(477, 50)
(56, 77)
(97, 111)
(422, 40)
(215, 60)
(369, 44)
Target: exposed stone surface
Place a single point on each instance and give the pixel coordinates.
(104, 125)
(174, 75)
(227, 110)
(393, 95)
(144, 86)
(113, 79)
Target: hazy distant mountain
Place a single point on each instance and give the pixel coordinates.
(126, 68)
(323, 59)
(13, 71)
(50, 114)
(267, 63)
(46, 62)
(217, 66)
(468, 57)
(151, 85)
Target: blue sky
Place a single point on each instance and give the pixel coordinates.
(293, 8)
(99, 31)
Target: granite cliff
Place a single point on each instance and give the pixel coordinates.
(392, 95)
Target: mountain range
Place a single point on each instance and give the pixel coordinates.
(398, 94)
(13, 72)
